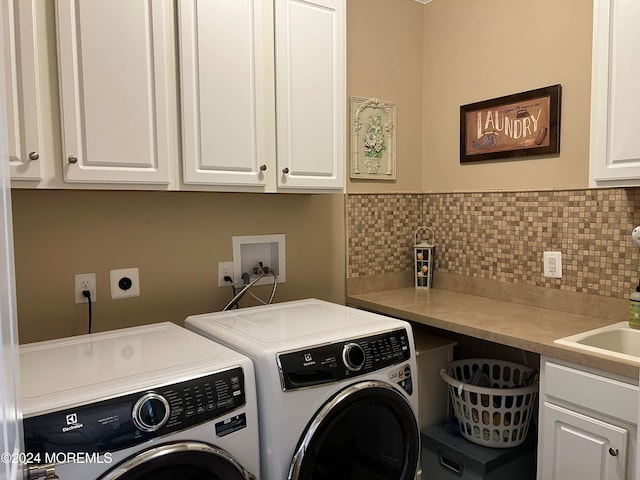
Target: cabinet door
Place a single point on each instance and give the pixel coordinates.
(310, 93)
(117, 88)
(222, 91)
(22, 89)
(615, 97)
(577, 446)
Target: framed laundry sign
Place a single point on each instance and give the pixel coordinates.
(517, 125)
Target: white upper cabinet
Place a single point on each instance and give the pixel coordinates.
(220, 95)
(22, 89)
(310, 93)
(117, 91)
(250, 122)
(615, 96)
(223, 88)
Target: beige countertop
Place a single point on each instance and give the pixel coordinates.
(521, 326)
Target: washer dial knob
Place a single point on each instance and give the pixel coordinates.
(151, 412)
(353, 356)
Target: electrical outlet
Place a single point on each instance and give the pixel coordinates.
(224, 269)
(552, 264)
(125, 283)
(85, 281)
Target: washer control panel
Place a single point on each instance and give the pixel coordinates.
(121, 422)
(318, 365)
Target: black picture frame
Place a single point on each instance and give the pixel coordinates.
(513, 126)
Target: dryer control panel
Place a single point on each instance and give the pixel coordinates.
(124, 421)
(318, 365)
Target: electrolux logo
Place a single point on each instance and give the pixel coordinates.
(72, 423)
(308, 360)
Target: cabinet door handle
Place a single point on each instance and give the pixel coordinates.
(72, 160)
(34, 155)
(285, 170)
(613, 452)
(263, 168)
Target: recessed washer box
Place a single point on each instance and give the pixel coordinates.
(250, 250)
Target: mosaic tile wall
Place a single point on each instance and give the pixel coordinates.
(502, 235)
(379, 228)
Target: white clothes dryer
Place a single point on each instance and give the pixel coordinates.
(152, 402)
(337, 395)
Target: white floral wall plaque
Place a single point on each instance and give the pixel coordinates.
(373, 139)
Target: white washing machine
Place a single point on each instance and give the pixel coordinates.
(337, 396)
(152, 402)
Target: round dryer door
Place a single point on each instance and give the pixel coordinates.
(192, 460)
(368, 430)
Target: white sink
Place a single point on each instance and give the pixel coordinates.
(617, 340)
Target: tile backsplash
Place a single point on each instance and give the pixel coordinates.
(502, 236)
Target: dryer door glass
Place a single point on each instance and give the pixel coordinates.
(367, 430)
(188, 460)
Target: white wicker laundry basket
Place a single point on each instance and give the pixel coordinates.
(497, 415)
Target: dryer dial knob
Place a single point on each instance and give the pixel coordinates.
(353, 356)
(151, 412)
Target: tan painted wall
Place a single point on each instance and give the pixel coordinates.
(384, 60)
(450, 53)
(478, 50)
(176, 239)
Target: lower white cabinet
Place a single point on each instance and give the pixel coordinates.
(587, 424)
(582, 446)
